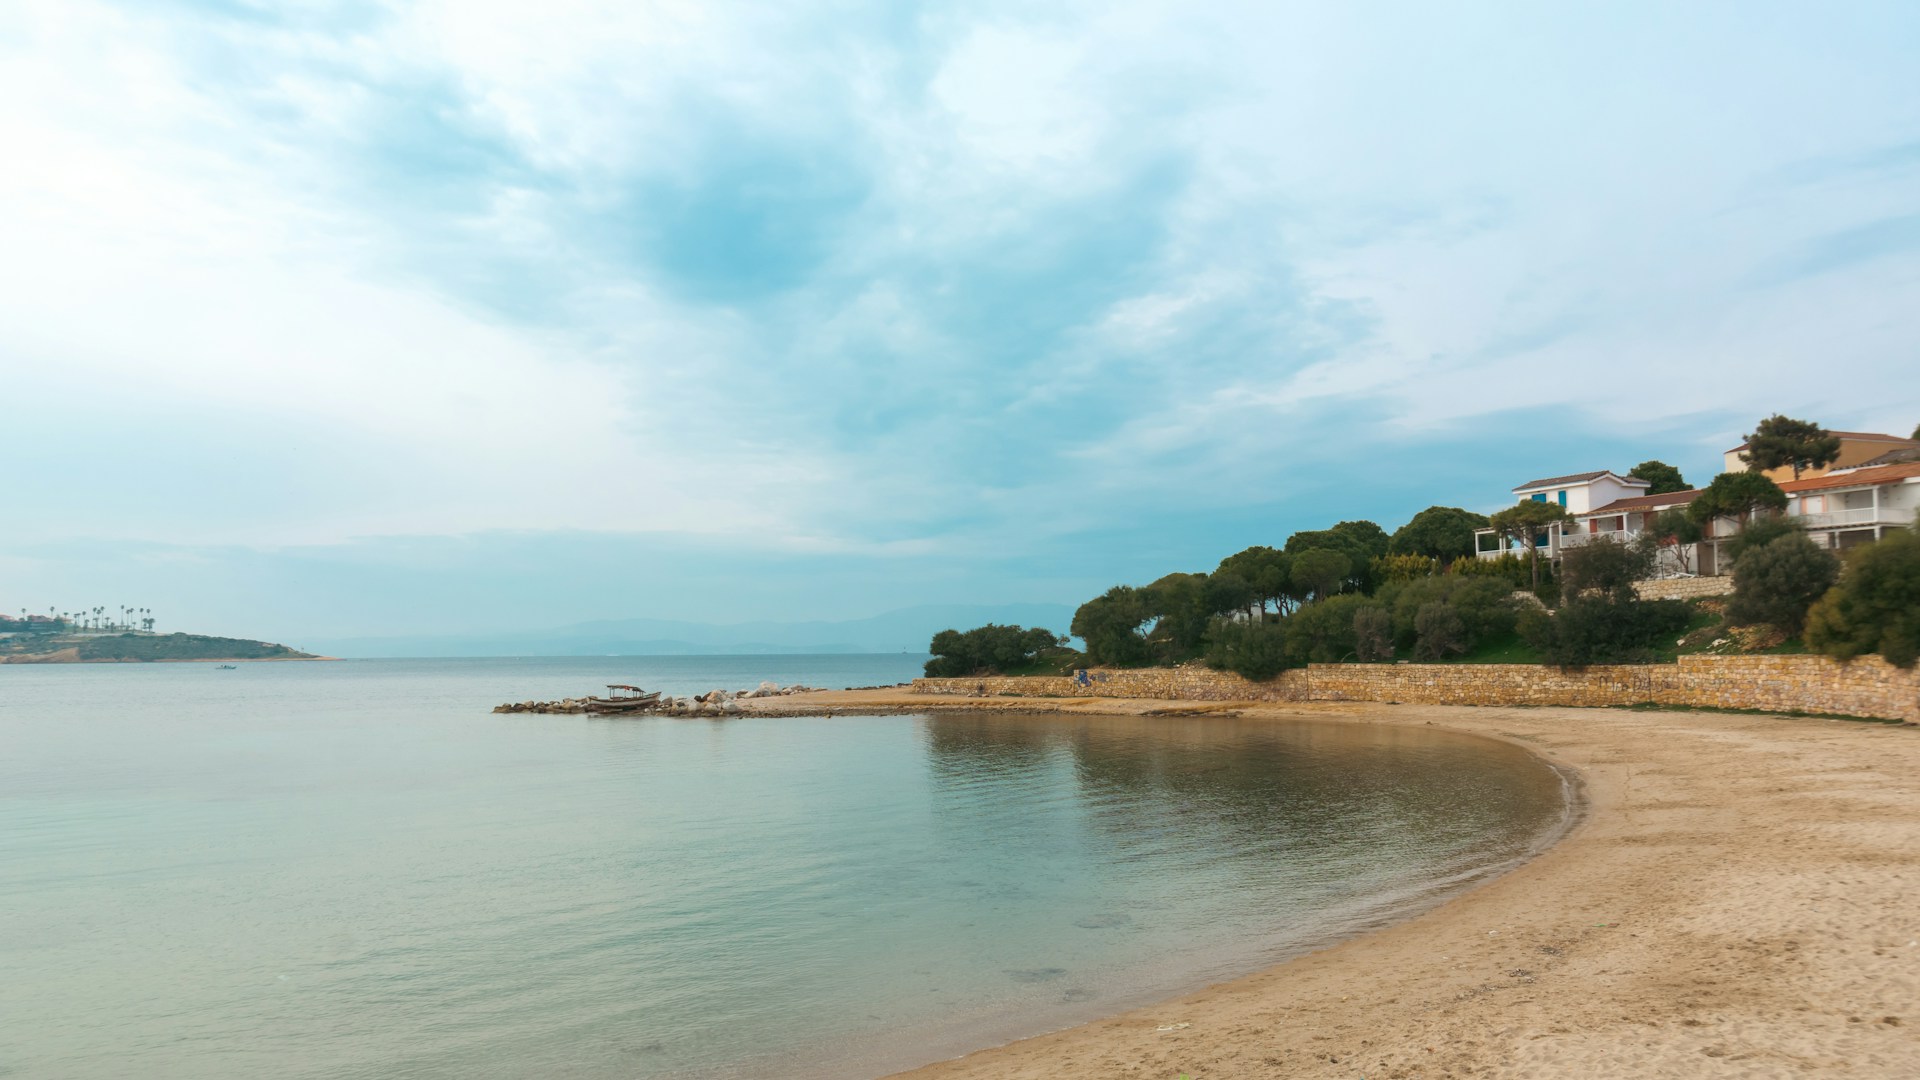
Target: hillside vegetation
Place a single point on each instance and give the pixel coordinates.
(146, 648)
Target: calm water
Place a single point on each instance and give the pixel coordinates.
(354, 870)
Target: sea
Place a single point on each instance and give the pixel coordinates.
(354, 869)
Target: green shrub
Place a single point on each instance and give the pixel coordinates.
(1604, 565)
(1394, 569)
(1253, 650)
(1777, 582)
(1484, 607)
(1508, 567)
(1876, 605)
(1601, 629)
(1758, 534)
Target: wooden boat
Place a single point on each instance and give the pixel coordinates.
(623, 698)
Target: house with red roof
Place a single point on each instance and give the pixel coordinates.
(1844, 508)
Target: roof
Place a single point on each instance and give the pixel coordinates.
(1891, 457)
(1879, 474)
(1647, 502)
(1579, 478)
(1856, 436)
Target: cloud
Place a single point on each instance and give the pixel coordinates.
(917, 284)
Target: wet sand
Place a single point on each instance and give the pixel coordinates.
(1741, 899)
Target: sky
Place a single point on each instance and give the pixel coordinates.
(462, 315)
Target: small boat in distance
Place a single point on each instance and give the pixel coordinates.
(226, 667)
(623, 698)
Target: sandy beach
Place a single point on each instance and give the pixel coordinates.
(1739, 900)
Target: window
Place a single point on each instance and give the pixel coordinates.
(1563, 498)
(1542, 497)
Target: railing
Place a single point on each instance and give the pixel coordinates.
(1865, 515)
(1554, 538)
(1581, 539)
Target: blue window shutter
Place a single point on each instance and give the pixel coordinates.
(1542, 497)
(1563, 498)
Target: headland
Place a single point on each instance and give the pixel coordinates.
(141, 648)
(1736, 901)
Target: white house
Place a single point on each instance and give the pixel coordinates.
(1579, 494)
(1850, 507)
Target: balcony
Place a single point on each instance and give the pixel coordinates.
(1864, 516)
(1581, 539)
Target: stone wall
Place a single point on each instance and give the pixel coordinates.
(1683, 588)
(1867, 687)
(1192, 683)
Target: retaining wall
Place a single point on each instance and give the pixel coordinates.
(1868, 686)
(1683, 588)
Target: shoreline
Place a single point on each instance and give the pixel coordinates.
(1734, 900)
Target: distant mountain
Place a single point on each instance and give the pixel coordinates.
(905, 630)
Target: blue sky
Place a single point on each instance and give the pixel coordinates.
(330, 319)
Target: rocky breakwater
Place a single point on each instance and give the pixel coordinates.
(727, 702)
(711, 703)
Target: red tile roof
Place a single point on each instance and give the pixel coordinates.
(1879, 474)
(1646, 502)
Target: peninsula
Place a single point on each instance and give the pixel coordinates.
(133, 647)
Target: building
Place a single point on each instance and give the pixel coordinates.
(1625, 520)
(1843, 509)
(1857, 448)
(1578, 494)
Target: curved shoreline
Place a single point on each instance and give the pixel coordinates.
(1734, 902)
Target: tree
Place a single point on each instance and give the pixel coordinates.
(1438, 532)
(1373, 634)
(1527, 523)
(989, 649)
(1876, 605)
(1775, 583)
(1360, 541)
(1322, 633)
(1783, 442)
(1440, 632)
(1110, 624)
(1179, 604)
(1320, 571)
(1268, 574)
(1671, 533)
(1604, 565)
(1664, 478)
(1737, 495)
